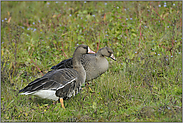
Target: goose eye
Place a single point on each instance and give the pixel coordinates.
(85, 47)
(109, 52)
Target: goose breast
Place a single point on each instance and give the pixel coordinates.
(60, 83)
(94, 64)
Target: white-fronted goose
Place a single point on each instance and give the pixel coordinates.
(94, 64)
(61, 83)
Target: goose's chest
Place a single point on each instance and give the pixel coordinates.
(101, 65)
(96, 67)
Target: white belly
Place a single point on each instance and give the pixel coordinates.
(48, 94)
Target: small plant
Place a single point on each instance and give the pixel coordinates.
(144, 84)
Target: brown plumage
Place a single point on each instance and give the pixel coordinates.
(60, 83)
(94, 64)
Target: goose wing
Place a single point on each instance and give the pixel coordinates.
(53, 80)
(64, 64)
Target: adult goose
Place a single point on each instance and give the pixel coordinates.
(61, 83)
(94, 64)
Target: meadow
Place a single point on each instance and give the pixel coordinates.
(143, 85)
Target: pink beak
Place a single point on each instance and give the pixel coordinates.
(90, 51)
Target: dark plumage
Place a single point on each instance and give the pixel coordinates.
(94, 64)
(60, 83)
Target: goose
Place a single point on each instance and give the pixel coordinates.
(94, 64)
(61, 83)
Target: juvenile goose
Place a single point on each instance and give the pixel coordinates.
(94, 64)
(61, 83)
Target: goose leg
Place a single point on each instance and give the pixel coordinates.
(62, 102)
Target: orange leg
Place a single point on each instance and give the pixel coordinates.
(62, 102)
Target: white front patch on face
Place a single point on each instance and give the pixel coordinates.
(112, 56)
(48, 94)
(90, 51)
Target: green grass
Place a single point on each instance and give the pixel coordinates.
(144, 84)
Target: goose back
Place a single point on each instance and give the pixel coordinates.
(60, 83)
(94, 64)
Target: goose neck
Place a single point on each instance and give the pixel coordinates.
(77, 60)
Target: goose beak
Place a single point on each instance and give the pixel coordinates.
(112, 57)
(90, 51)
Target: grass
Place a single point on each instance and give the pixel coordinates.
(143, 85)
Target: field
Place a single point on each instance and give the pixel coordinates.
(143, 85)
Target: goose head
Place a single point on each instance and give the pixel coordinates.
(83, 49)
(108, 52)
